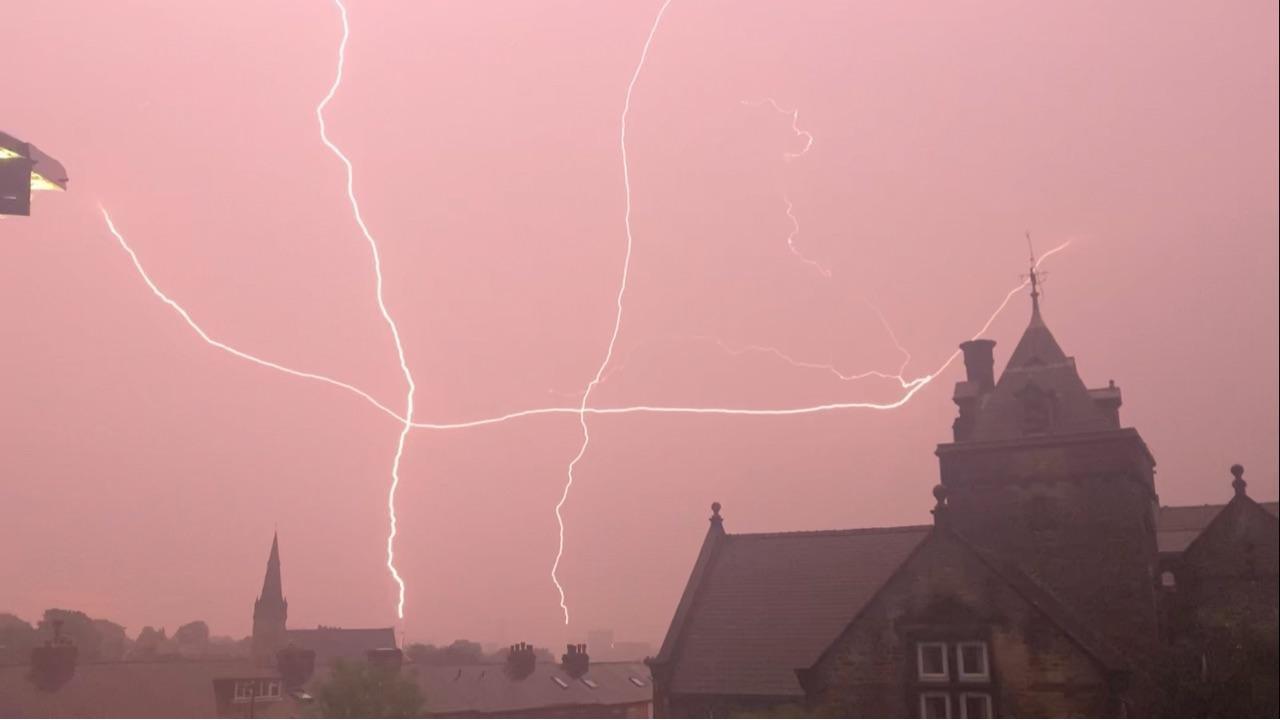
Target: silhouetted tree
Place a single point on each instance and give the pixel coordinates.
(150, 643)
(194, 633)
(97, 640)
(17, 638)
(360, 690)
(115, 644)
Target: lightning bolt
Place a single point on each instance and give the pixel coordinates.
(912, 387)
(137, 264)
(622, 291)
(786, 197)
(584, 408)
(382, 305)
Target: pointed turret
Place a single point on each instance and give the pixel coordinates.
(1039, 393)
(1037, 346)
(1042, 471)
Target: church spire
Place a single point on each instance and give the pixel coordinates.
(272, 589)
(270, 611)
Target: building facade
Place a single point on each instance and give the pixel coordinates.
(1051, 582)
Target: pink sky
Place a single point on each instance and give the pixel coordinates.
(143, 471)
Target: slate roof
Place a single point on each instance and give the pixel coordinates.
(461, 690)
(129, 689)
(770, 603)
(1178, 526)
(332, 644)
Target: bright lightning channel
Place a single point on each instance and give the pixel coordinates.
(912, 387)
(617, 320)
(382, 306)
(786, 196)
(137, 264)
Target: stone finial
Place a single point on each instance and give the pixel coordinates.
(1238, 484)
(715, 514)
(940, 495)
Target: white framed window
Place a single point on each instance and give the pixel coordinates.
(273, 690)
(244, 691)
(971, 661)
(931, 662)
(935, 705)
(975, 705)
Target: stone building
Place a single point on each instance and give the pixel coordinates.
(1051, 582)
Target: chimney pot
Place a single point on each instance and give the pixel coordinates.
(576, 662)
(979, 363)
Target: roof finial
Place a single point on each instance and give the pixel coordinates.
(715, 514)
(940, 509)
(1034, 277)
(1238, 484)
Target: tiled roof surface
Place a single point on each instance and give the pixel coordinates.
(342, 643)
(1177, 526)
(128, 689)
(771, 603)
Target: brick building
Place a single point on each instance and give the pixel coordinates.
(1051, 582)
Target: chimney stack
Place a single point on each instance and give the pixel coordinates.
(53, 664)
(979, 363)
(386, 659)
(575, 662)
(521, 660)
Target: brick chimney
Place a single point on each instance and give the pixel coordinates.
(979, 363)
(575, 662)
(53, 663)
(296, 666)
(521, 660)
(386, 659)
(980, 379)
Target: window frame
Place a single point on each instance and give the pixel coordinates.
(964, 710)
(243, 691)
(945, 695)
(924, 677)
(961, 675)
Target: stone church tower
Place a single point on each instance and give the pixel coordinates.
(1042, 473)
(270, 611)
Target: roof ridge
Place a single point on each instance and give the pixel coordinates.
(834, 531)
